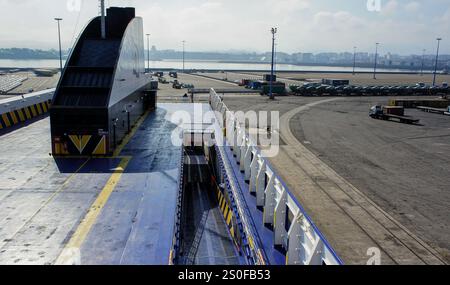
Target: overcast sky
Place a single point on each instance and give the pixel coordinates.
(401, 26)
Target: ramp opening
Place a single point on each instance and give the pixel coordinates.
(205, 237)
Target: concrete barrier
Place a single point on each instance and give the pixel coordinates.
(19, 110)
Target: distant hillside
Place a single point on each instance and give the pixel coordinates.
(363, 59)
(25, 53)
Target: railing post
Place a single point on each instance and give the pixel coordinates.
(260, 186)
(247, 164)
(279, 220)
(270, 203)
(253, 174)
(296, 252)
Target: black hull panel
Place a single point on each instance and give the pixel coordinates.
(103, 90)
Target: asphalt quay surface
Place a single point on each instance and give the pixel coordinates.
(366, 183)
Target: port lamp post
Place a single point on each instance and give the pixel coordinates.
(423, 62)
(273, 31)
(58, 20)
(148, 52)
(354, 60)
(437, 60)
(184, 42)
(376, 61)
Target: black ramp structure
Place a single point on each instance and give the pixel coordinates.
(103, 89)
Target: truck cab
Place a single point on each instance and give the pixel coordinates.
(376, 111)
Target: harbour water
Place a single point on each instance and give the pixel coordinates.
(214, 65)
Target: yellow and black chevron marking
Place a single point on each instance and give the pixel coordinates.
(90, 145)
(227, 214)
(22, 115)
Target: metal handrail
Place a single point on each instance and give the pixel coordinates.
(215, 100)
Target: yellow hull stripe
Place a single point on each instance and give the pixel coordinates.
(44, 107)
(100, 149)
(227, 210)
(228, 218)
(33, 111)
(38, 106)
(227, 214)
(75, 140)
(21, 115)
(84, 141)
(222, 208)
(27, 113)
(6, 120)
(80, 142)
(232, 232)
(13, 117)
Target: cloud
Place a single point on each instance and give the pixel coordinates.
(286, 7)
(412, 7)
(390, 8)
(303, 25)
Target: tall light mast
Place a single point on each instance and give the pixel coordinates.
(376, 61)
(184, 43)
(60, 49)
(273, 31)
(103, 22)
(423, 62)
(437, 61)
(148, 51)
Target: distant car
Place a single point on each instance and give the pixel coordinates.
(420, 84)
(30, 90)
(312, 84)
(163, 80)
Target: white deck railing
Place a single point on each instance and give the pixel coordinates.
(293, 228)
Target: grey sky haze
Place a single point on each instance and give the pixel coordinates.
(401, 26)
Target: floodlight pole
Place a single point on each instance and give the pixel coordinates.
(60, 49)
(423, 62)
(184, 42)
(148, 52)
(376, 60)
(437, 59)
(273, 31)
(103, 22)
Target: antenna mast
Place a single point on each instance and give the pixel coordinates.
(102, 13)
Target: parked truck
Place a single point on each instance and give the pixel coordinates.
(176, 84)
(396, 113)
(278, 88)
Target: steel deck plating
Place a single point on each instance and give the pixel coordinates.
(116, 210)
